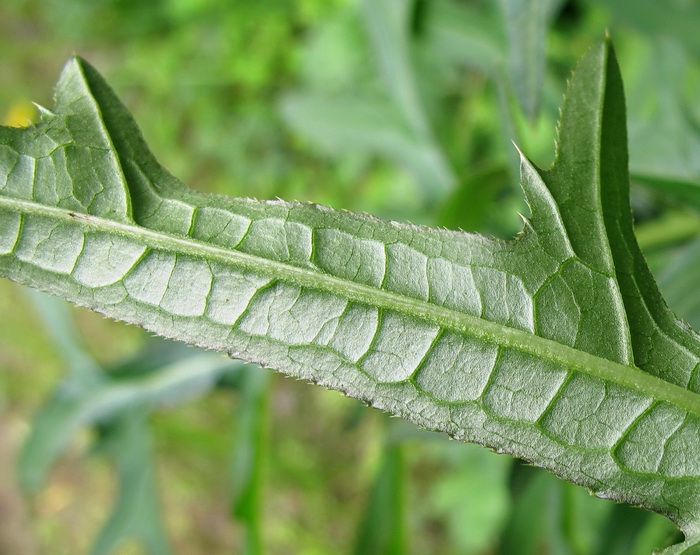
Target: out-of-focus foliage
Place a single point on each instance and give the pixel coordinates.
(402, 108)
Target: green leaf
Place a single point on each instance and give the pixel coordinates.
(86, 397)
(390, 122)
(83, 370)
(469, 493)
(679, 281)
(382, 526)
(388, 23)
(75, 405)
(535, 516)
(555, 347)
(526, 24)
(350, 124)
(468, 33)
(136, 513)
(679, 19)
(671, 165)
(248, 455)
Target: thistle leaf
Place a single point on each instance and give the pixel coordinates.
(555, 347)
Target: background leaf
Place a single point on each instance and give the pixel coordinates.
(526, 26)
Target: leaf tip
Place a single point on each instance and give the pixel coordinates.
(75, 80)
(73, 65)
(517, 148)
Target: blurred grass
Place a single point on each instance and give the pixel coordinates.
(402, 108)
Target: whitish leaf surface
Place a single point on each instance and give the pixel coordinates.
(555, 347)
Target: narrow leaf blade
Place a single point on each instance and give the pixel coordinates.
(555, 347)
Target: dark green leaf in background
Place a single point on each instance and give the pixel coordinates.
(382, 529)
(248, 455)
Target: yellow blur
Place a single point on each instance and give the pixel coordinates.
(22, 113)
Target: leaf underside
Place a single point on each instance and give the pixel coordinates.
(555, 347)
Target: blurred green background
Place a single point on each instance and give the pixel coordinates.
(113, 441)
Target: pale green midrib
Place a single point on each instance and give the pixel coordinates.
(486, 330)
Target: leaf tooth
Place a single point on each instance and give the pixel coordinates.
(43, 111)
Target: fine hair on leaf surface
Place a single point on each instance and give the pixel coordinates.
(555, 347)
